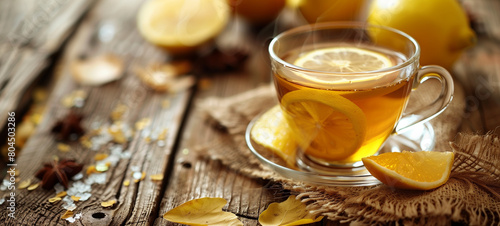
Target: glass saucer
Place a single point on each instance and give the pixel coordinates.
(417, 138)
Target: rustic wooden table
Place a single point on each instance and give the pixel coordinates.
(39, 41)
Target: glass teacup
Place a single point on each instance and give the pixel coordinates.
(343, 89)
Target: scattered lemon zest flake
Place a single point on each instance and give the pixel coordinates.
(75, 198)
(61, 194)
(165, 103)
(63, 147)
(91, 169)
(163, 134)
(143, 175)
(118, 112)
(109, 203)
(100, 156)
(36, 118)
(54, 199)
(126, 183)
(85, 141)
(67, 214)
(73, 98)
(156, 177)
(143, 123)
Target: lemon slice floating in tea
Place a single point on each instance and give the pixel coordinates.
(272, 132)
(182, 25)
(422, 170)
(328, 125)
(345, 61)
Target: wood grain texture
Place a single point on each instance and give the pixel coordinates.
(138, 202)
(30, 31)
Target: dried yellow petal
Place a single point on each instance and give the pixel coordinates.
(54, 199)
(143, 123)
(156, 177)
(165, 104)
(75, 198)
(74, 99)
(61, 194)
(100, 156)
(143, 175)
(91, 169)
(33, 187)
(163, 135)
(118, 112)
(24, 184)
(85, 141)
(203, 211)
(117, 135)
(109, 203)
(67, 214)
(126, 183)
(290, 212)
(63, 147)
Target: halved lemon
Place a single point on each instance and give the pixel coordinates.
(421, 170)
(182, 25)
(272, 132)
(328, 126)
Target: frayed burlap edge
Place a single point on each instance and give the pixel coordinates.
(470, 196)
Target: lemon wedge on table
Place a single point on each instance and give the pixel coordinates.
(330, 127)
(422, 170)
(180, 26)
(272, 132)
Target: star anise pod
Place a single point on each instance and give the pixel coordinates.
(58, 171)
(69, 126)
(218, 61)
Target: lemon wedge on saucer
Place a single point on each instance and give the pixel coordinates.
(272, 132)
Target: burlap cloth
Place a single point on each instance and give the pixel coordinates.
(471, 195)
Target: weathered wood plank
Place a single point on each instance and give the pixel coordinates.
(193, 177)
(138, 202)
(31, 31)
(478, 69)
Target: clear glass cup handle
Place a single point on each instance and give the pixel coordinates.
(433, 109)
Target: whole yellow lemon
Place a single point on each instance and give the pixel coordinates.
(331, 10)
(441, 27)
